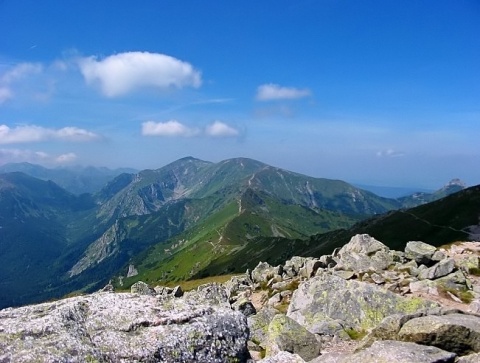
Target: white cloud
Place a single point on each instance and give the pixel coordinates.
(14, 74)
(20, 71)
(66, 158)
(168, 128)
(25, 155)
(390, 153)
(267, 92)
(122, 73)
(32, 133)
(220, 129)
(5, 94)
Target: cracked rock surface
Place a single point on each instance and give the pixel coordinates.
(107, 327)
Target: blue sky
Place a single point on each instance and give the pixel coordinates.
(375, 92)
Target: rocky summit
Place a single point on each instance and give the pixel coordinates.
(363, 303)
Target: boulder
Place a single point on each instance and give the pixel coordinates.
(210, 294)
(386, 351)
(264, 272)
(141, 288)
(245, 306)
(458, 333)
(471, 358)
(177, 291)
(258, 325)
(363, 253)
(124, 327)
(283, 357)
(440, 269)
(359, 305)
(285, 334)
(310, 267)
(420, 252)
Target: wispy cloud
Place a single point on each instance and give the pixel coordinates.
(168, 128)
(123, 73)
(33, 133)
(390, 153)
(25, 155)
(14, 74)
(271, 91)
(220, 129)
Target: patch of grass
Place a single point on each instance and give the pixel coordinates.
(355, 334)
(464, 295)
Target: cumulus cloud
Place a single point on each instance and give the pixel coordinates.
(122, 73)
(268, 92)
(25, 155)
(32, 133)
(390, 153)
(168, 128)
(220, 129)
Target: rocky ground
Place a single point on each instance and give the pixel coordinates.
(362, 303)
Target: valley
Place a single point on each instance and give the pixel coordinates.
(193, 219)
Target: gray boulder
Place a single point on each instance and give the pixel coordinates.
(258, 325)
(471, 358)
(283, 357)
(420, 252)
(440, 269)
(285, 334)
(363, 253)
(141, 288)
(106, 327)
(264, 272)
(360, 305)
(209, 294)
(387, 351)
(458, 333)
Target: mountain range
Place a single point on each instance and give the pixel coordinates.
(188, 219)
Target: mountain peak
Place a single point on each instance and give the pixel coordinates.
(456, 182)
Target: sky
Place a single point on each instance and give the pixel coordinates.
(375, 92)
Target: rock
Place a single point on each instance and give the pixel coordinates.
(177, 291)
(458, 333)
(238, 284)
(292, 266)
(440, 269)
(310, 268)
(377, 278)
(258, 325)
(132, 271)
(141, 288)
(346, 275)
(438, 256)
(286, 334)
(124, 327)
(471, 358)
(385, 351)
(420, 252)
(275, 299)
(245, 307)
(283, 357)
(330, 327)
(282, 285)
(264, 272)
(360, 305)
(214, 294)
(363, 253)
(108, 288)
